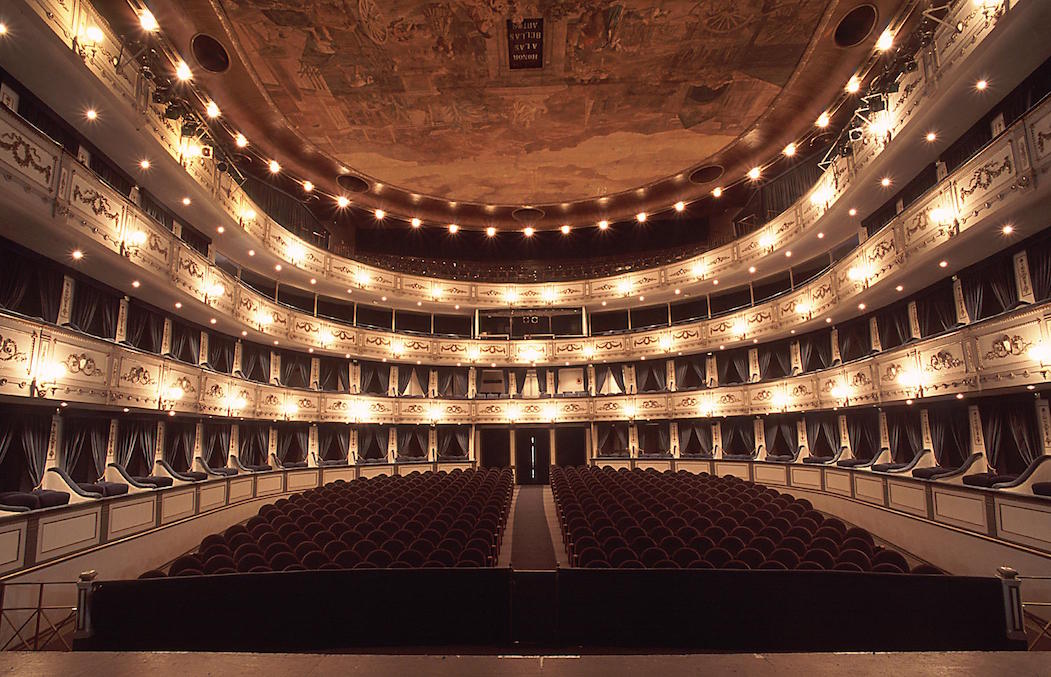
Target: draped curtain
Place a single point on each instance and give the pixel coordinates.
(854, 340)
(1001, 280)
(295, 370)
(333, 437)
(29, 287)
(291, 438)
(85, 435)
(936, 310)
(178, 452)
(216, 443)
(445, 382)
(950, 434)
(780, 435)
(333, 375)
(461, 382)
(993, 419)
(136, 440)
(145, 328)
(253, 443)
(764, 356)
(617, 372)
(36, 431)
(221, 353)
(783, 354)
(863, 433)
(255, 362)
(1039, 256)
(821, 434)
(94, 311)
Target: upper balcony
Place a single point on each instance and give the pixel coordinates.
(941, 82)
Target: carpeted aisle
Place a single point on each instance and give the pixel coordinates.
(531, 547)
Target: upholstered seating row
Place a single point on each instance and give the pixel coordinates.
(635, 519)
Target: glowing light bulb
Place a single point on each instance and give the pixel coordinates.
(641, 217)
(931, 137)
(91, 114)
(148, 21)
(528, 231)
(823, 120)
(144, 164)
(981, 85)
(183, 72)
(885, 41)
(603, 225)
(416, 223)
(680, 206)
(212, 109)
(717, 192)
(789, 150)
(490, 232)
(453, 228)
(564, 229)
(853, 84)
(274, 166)
(754, 173)
(885, 182)
(242, 142)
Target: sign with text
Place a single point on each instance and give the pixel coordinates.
(525, 43)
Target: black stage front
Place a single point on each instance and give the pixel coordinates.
(579, 610)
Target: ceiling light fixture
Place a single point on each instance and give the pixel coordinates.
(789, 150)
(885, 182)
(308, 187)
(981, 85)
(603, 225)
(148, 21)
(853, 212)
(242, 142)
(823, 120)
(91, 114)
(641, 217)
(931, 137)
(1007, 230)
(212, 110)
(183, 72)
(754, 173)
(853, 84)
(565, 229)
(416, 223)
(528, 231)
(680, 206)
(885, 41)
(144, 164)
(274, 166)
(453, 228)
(380, 214)
(342, 202)
(717, 192)
(186, 201)
(490, 232)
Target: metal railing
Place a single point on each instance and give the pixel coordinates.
(1019, 610)
(33, 624)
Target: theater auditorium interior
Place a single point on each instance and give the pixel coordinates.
(525, 336)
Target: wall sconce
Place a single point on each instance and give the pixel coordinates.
(234, 403)
(434, 414)
(511, 296)
(945, 216)
(699, 269)
(550, 412)
(780, 401)
(841, 392)
(474, 353)
(548, 295)
(289, 409)
(514, 412)
(88, 40)
(326, 337)
(588, 351)
(296, 252)
(46, 379)
(397, 348)
(171, 395)
(822, 196)
(991, 9)
(860, 272)
(630, 411)
(362, 277)
(213, 291)
(263, 319)
(436, 292)
(767, 241)
(739, 328)
(248, 214)
(359, 411)
(624, 287)
(132, 242)
(529, 354)
(912, 380)
(706, 410)
(803, 309)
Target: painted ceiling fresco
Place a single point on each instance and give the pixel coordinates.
(419, 94)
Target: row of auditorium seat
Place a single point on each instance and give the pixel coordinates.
(431, 519)
(647, 519)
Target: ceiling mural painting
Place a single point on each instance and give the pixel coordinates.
(518, 101)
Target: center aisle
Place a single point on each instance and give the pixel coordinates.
(531, 547)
